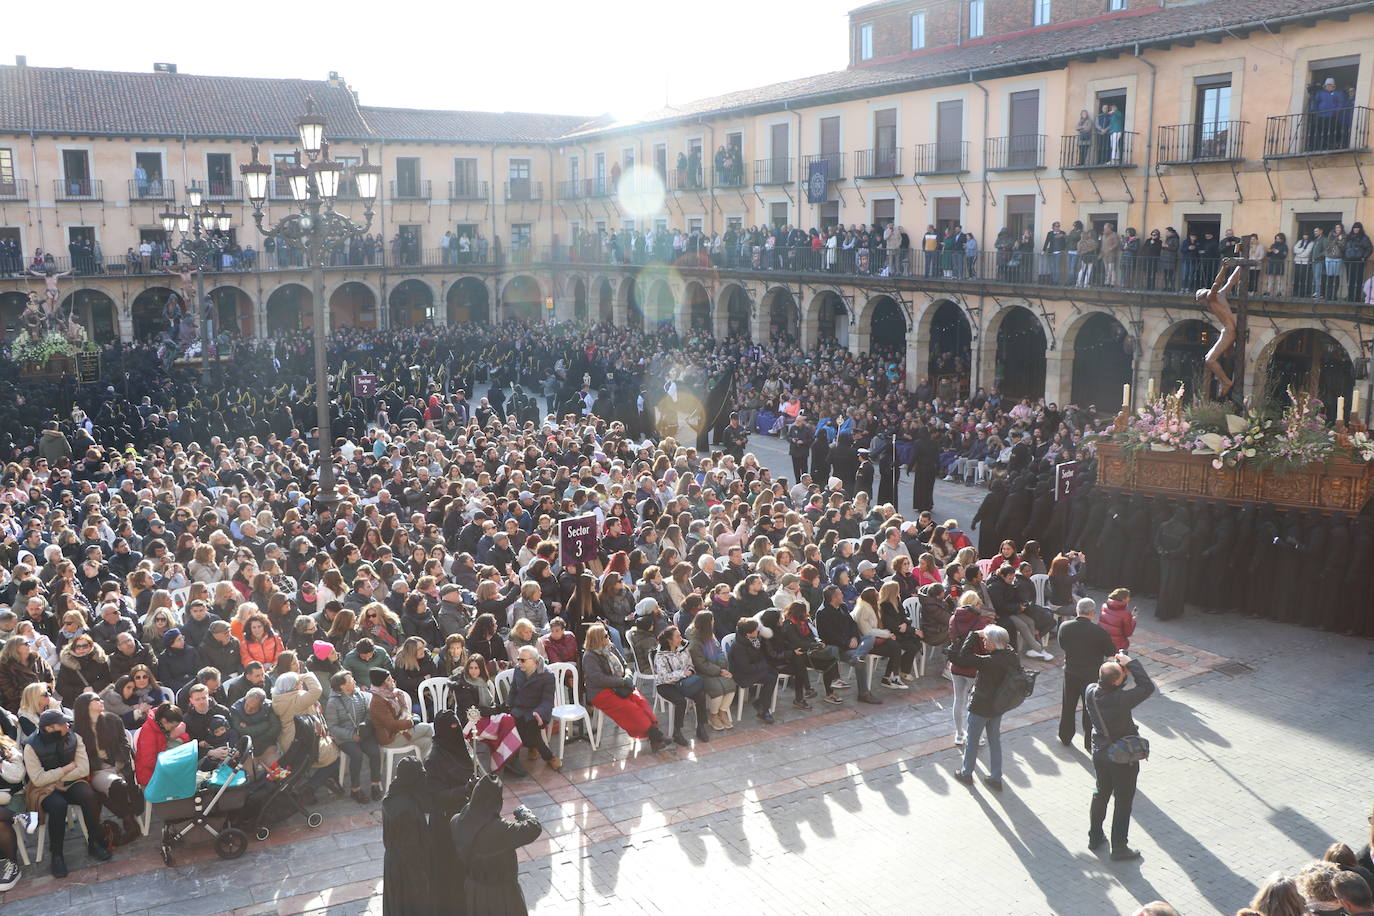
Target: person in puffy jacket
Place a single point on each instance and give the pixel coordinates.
(970, 615)
(929, 609)
(993, 668)
(1118, 618)
(161, 730)
(531, 702)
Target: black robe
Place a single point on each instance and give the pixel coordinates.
(820, 460)
(925, 467)
(989, 535)
(1309, 553)
(1335, 602)
(1356, 616)
(1016, 510)
(863, 478)
(844, 462)
(1213, 557)
(1230, 591)
(450, 772)
(1264, 557)
(1199, 539)
(1111, 545)
(1171, 543)
(405, 863)
(1042, 508)
(486, 844)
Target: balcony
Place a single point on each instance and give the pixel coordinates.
(732, 176)
(944, 157)
(1101, 151)
(686, 179)
(1213, 141)
(225, 189)
(1312, 134)
(410, 189)
(834, 165)
(152, 189)
(772, 171)
(1009, 154)
(14, 189)
(468, 189)
(523, 189)
(78, 189)
(570, 190)
(884, 162)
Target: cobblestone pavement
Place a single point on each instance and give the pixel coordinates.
(1256, 732)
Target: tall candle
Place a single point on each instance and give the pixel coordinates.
(1355, 405)
(1150, 390)
(1126, 395)
(1340, 409)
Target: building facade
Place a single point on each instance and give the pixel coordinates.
(1206, 116)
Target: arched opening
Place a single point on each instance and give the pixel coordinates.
(661, 305)
(233, 312)
(1020, 355)
(698, 309)
(951, 352)
(468, 302)
(151, 313)
(736, 313)
(353, 305)
(95, 312)
(887, 331)
(411, 302)
(580, 300)
(289, 308)
(522, 300)
(634, 315)
(1102, 356)
(832, 319)
(1309, 361)
(782, 316)
(605, 308)
(12, 305)
(1184, 358)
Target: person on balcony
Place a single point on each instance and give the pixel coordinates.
(1326, 109)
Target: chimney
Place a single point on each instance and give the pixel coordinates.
(164, 68)
(21, 60)
(334, 79)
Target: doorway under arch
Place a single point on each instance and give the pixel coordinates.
(12, 306)
(411, 303)
(233, 312)
(659, 312)
(1311, 361)
(832, 319)
(605, 308)
(1184, 358)
(580, 299)
(699, 309)
(95, 311)
(1020, 355)
(782, 316)
(634, 314)
(353, 305)
(468, 302)
(149, 312)
(736, 311)
(950, 352)
(522, 300)
(1102, 358)
(887, 330)
(289, 308)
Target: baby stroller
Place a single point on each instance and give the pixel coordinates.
(273, 800)
(184, 805)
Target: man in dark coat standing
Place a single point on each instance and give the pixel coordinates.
(799, 439)
(925, 465)
(735, 438)
(486, 844)
(863, 474)
(1086, 646)
(844, 461)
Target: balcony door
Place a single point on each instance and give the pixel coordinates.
(885, 142)
(1024, 129)
(407, 177)
(1212, 114)
(949, 136)
(780, 150)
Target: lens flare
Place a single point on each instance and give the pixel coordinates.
(641, 193)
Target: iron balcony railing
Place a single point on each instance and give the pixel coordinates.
(1343, 130)
(152, 189)
(1020, 151)
(1205, 141)
(521, 189)
(468, 190)
(943, 157)
(412, 189)
(834, 164)
(226, 189)
(731, 176)
(78, 189)
(686, 178)
(883, 162)
(570, 189)
(14, 189)
(773, 171)
(1114, 150)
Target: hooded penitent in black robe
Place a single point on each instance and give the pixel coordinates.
(1139, 533)
(844, 461)
(450, 774)
(1214, 556)
(1199, 539)
(1111, 545)
(884, 453)
(1230, 590)
(1160, 512)
(925, 466)
(1334, 602)
(486, 844)
(1295, 590)
(1087, 526)
(1264, 557)
(405, 864)
(820, 459)
(1042, 507)
(989, 535)
(1016, 510)
(1356, 615)
(1171, 545)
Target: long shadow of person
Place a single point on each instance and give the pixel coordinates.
(1213, 878)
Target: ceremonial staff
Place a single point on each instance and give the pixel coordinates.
(315, 228)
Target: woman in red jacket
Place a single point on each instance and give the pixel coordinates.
(260, 644)
(970, 615)
(153, 739)
(1117, 619)
(1005, 554)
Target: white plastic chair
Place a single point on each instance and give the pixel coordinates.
(783, 680)
(74, 818)
(986, 567)
(502, 684)
(1041, 582)
(566, 709)
(392, 756)
(434, 693)
(180, 598)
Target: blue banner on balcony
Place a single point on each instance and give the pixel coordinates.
(818, 181)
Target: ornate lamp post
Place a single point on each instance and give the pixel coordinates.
(315, 228)
(204, 234)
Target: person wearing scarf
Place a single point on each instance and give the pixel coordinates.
(391, 718)
(474, 698)
(59, 770)
(611, 690)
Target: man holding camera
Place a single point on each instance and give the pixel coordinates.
(1116, 765)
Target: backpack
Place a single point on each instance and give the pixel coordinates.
(1013, 690)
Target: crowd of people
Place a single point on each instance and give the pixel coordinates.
(172, 574)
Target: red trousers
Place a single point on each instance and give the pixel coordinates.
(631, 713)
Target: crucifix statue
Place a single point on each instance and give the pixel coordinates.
(1216, 301)
(186, 273)
(50, 279)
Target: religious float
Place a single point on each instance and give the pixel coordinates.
(51, 346)
(1291, 458)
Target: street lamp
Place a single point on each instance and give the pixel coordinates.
(204, 235)
(315, 228)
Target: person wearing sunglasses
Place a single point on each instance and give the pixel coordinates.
(83, 668)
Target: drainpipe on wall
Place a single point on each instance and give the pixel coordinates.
(708, 155)
(1138, 354)
(37, 189)
(983, 213)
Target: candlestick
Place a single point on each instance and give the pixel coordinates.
(1355, 405)
(1150, 391)
(1340, 410)
(1126, 396)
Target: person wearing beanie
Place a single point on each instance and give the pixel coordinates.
(220, 649)
(299, 695)
(218, 737)
(58, 769)
(178, 663)
(390, 711)
(325, 662)
(1086, 646)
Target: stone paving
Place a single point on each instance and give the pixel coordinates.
(1254, 769)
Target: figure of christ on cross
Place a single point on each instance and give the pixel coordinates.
(1220, 308)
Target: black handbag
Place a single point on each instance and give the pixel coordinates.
(1130, 749)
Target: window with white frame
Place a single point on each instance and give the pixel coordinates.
(1115, 5)
(1042, 12)
(918, 31)
(975, 18)
(866, 41)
